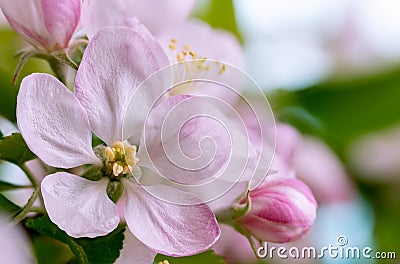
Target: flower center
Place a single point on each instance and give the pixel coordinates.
(192, 66)
(120, 159)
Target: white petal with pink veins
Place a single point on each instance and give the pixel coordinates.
(172, 229)
(78, 206)
(116, 61)
(135, 251)
(53, 123)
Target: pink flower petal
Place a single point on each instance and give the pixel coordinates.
(98, 14)
(318, 166)
(170, 229)
(61, 18)
(135, 251)
(116, 61)
(288, 139)
(78, 206)
(215, 44)
(281, 210)
(53, 123)
(184, 153)
(46, 24)
(14, 244)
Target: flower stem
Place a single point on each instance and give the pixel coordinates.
(58, 68)
(27, 208)
(29, 174)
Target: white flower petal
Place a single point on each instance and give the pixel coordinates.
(78, 206)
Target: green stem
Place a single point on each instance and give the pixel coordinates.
(29, 174)
(253, 246)
(58, 68)
(27, 208)
(37, 209)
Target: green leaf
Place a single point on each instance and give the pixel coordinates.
(5, 186)
(219, 14)
(100, 250)
(344, 109)
(7, 206)
(115, 190)
(14, 149)
(106, 249)
(208, 257)
(94, 173)
(44, 226)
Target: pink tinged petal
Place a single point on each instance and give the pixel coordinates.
(61, 19)
(318, 166)
(207, 42)
(167, 13)
(14, 245)
(281, 211)
(53, 123)
(135, 251)
(78, 206)
(26, 17)
(98, 14)
(234, 246)
(287, 141)
(116, 61)
(170, 229)
(214, 44)
(47, 25)
(183, 148)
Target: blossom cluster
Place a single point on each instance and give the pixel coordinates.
(92, 188)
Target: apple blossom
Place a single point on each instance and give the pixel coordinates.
(47, 25)
(184, 40)
(57, 126)
(280, 211)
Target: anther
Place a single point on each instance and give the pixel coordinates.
(223, 68)
(110, 154)
(193, 54)
(118, 145)
(172, 46)
(126, 170)
(117, 169)
(179, 57)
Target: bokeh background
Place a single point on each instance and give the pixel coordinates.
(331, 69)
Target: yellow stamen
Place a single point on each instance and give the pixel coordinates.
(173, 40)
(118, 145)
(110, 154)
(130, 155)
(193, 54)
(223, 68)
(117, 169)
(172, 46)
(187, 47)
(126, 170)
(179, 57)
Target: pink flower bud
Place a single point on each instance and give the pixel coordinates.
(46, 24)
(281, 211)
